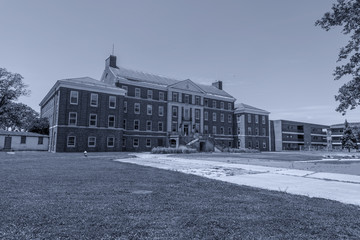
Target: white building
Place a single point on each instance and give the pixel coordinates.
(23, 141)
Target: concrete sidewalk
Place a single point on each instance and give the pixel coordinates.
(339, 187)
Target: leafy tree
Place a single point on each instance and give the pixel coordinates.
(11, 87)
(16, 116)
(346, 13)
(348, 140)
(40, 125)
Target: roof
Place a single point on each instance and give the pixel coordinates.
(242, 107)
(27, 134)
(161, 80)
(342, 125)
(80, 83)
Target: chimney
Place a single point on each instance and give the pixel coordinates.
(218, 84)
(111, 61)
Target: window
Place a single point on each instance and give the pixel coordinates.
(214, 130)
(137, 108)
(148, 142)
(71, 141)
(72, 118)
(214, 117)
(161, 110)
(74, 96)
(256, 118)
(197, 127)
(264, 131)
(175, 96)
(174, 126)
(124, 124)
(174, 111)
(263, 119)
(94, 100)
(41, 140)
(150, 94)
(161, 96)
(136, 142)
(112, 102)
(111, 121)
(238, 118)
(257, 144)
(249, 144)
(124, 142)
(92, 120)
(186, 99)
(137, 125)
(229, 106)
(149, 109)
(214, 104)
(229, 131)
(229, 118)
(126, 89)
(206, 129)
(222, 130)
(249, 118)
(206, 103)
(197, 114)
(222, 105)
(137, 92)
(125, 106)
(91, 141)
(160, 126)
(23, 140)
(249, 130)
(148, 125)
(110, 142)
(256, 131)
(222, 117)
(197, 100)
(264, 144)
(206, 116)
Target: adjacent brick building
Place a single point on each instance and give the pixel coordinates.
(336, 132)
(252, 127)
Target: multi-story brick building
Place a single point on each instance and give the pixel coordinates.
(291, 135)
(252, 126)
(161, 111)
(84, 114)
(134, 111)
(336, 132)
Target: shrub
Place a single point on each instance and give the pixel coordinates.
(164, 150)
(240, 150)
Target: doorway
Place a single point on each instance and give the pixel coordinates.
(186, 129)
(7, 143)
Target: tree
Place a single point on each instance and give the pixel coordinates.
(346, 13)
(40, 125)
(16, 116)
(348, 140)
(11, 87)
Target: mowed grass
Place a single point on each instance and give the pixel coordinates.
(68, 196)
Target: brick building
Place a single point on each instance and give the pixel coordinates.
(291, 135)
(134, 111)
(252, 126)
(161, 111)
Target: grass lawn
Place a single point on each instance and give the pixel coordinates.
(68, 196)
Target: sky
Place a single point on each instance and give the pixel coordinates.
(269, 54)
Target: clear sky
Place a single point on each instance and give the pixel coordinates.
(268, 54)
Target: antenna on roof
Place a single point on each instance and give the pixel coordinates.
(112, 50)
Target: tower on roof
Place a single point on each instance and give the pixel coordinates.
(111, 61)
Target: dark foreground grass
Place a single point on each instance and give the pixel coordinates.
(65, 196)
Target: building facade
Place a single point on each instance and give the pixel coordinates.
(252, 127)
(23, 141)
(335, 134)
(291, 135)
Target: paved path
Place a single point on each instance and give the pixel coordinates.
(340, 187)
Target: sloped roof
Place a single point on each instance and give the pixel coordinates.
(27, 134)
(87, 81)
(161, 80)
(242, 107)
